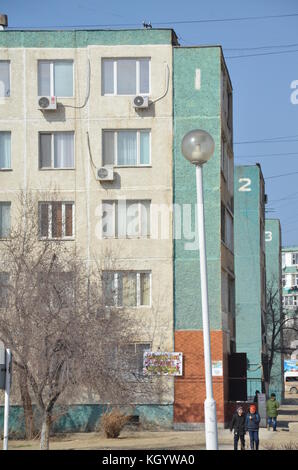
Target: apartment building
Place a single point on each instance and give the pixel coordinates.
(290, 277)
(250, 270)
(70, 127)
(274, 302)
(203, 99)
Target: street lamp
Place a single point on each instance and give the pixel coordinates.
(197, 147)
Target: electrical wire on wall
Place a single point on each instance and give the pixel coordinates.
(167, 80)
(87, 90)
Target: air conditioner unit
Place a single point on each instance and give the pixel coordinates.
(105, 173)
(47, 103)
(140, 101)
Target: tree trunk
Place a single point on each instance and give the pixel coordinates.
(27, 404)
(45, 432)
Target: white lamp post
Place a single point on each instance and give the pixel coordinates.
(197, 147)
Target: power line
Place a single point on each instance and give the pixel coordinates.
(259, 47)
(284, 138)
(264, 155)
(167, 23)
(261, 54)
(284, 174)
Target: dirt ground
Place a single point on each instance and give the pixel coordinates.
(171, 440)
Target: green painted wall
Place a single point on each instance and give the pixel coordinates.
(248, 270)
(85, 38)
(273, 281)
(86, 418)
(197, 109)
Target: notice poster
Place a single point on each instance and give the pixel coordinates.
(162, 363)
(216, 368)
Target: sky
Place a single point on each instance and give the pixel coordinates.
(262, 58)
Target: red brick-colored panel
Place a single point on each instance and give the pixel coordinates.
(190, 389)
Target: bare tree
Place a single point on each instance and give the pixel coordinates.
(65, 342)
(281, 323)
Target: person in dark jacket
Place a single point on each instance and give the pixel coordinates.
(238, 424)
(256, 397)
(252, 424)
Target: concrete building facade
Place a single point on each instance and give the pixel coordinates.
(95, 76)
(274, 298)
(250, 273)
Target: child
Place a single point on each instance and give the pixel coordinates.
(238, 424)
(252, 424)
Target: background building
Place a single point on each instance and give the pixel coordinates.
(250, 274)
(274, 304)
(290, 298)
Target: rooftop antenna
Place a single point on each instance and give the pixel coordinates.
(147, 25)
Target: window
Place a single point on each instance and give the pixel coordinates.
(132, 357)
(4, 291)
(294, 258)
(4, 78)
(4, 219)
(125, 76)
(227, 293)
(294, 280)
(284, 280)
(126, 219)
(55, 78)
(127, 288)
(227, 167)
(126, 148)
(227, 227)
(56, 219)
(56, 150)
(5, 138)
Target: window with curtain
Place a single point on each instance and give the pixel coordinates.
(56, 150)
(56, 220)
(126, 219)
(5, 150)
(126, 147)
(55, 78)
(126, 76)
(4, 78)
(5, 219)
(127, 288)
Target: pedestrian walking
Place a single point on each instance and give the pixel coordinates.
(238, 424)
(256, 396)
(272, 406)
(252, 424)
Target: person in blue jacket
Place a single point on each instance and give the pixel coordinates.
(252, 424)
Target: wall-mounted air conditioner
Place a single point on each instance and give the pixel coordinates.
(105, 173)
(140, 101)
(47, 103)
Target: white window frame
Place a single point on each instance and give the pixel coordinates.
(52, 167)
(115, 136)
(50, 220)
(52, 79)
(9, 74)
(10, 167)
(115, 80)
(296, 258)
(138, 288)
(114, 204)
